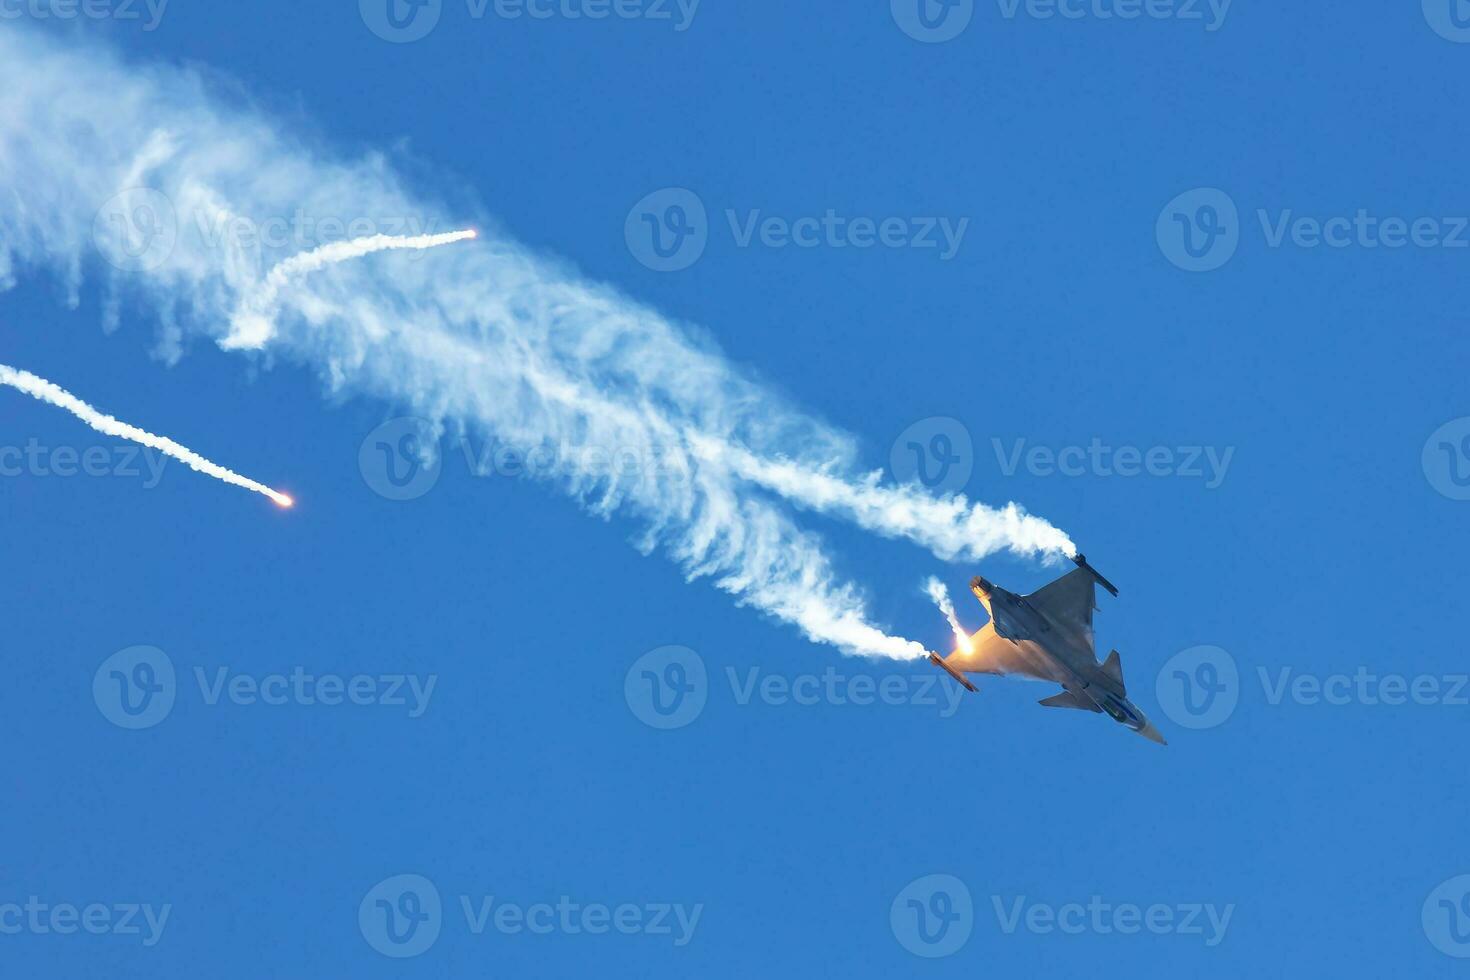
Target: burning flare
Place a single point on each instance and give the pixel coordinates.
(43, 390)
(940, 595)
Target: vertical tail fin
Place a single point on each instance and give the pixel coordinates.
(981, 587)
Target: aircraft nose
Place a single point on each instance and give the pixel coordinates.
(1151, 733)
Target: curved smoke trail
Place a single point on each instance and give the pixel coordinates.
(253, 323)
(487, 337)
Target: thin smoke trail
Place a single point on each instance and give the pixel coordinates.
(251, 326)
(952, 528)
(52, 394)
(498, 339)
(940, 595)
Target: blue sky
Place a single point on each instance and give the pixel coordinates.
(1320, 366)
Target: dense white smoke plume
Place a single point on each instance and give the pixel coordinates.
(485, 337)
(51, 394)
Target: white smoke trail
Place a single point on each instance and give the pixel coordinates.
(252, 326)
(52, 394)
(950, 527)
(940, 595)
(490, 338)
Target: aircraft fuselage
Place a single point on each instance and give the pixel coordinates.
(1061, 651)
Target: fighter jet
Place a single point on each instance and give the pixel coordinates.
(1048, 635)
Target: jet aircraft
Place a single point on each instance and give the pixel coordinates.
(1048, 635)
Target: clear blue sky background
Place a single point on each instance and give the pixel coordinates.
(1061, 320)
